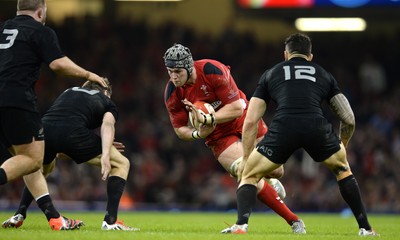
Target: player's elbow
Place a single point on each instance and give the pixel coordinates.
(235, 109)
(239, 112)
(349, 119)
(250, 123)
(59, 64)
(56, 65)
(180, 134)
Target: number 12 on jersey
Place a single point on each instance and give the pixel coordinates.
(298, 72)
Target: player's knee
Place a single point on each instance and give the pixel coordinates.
(234, 167)
(341, 171)
(126, 164)
(277, 173)
(122, 164)
(120, 167)
(36, 163)
(250, 179)
(48, 168)
(338, 164)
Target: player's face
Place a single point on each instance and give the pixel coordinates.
(178, 76)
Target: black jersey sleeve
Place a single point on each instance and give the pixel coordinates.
(48, 44)
(112, 108)
(262, 87)
(334, 90)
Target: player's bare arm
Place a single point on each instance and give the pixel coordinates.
(66, 66)
(256, 110)
(186, 133)
(341, 107)
(229, 112)
(107, 132)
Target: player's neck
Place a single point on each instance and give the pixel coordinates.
(192, 78)
(298, 55)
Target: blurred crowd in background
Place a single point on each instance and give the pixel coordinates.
(167, 173)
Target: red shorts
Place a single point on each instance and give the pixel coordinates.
(227, 138)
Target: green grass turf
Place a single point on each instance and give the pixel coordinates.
(199, 225)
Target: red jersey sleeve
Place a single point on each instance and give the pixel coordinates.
(224, 86)
(176, 109)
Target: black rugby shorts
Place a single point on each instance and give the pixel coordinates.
(287, 134)
(18, 126)
(79, 143)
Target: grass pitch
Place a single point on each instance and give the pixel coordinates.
(199, 226)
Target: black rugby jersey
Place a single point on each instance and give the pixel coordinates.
(80, 107)
(298, 87)
(24, 45)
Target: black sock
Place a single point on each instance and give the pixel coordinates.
(45, 203)
(3, 177)
(26, 200)
(246, 201)
(351, 194)
(115, 188)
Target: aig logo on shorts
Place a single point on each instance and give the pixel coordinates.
(265, 150)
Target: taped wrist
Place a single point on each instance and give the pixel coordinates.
(196, 134)
(208, 119)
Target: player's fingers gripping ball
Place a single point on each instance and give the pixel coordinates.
(201, 114)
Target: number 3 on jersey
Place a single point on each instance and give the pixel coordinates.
(300, 72)
(12, 35)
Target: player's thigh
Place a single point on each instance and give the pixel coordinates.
(119, 163)
(257, 166)
(277, 173)
(34, 150)
(22, 133)
(28, 158)
(338, 164)
(82, 145)
(19, 127)
(232, 153)
(117, 160)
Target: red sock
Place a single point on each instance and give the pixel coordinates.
(270, 197)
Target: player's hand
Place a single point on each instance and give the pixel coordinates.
(93, 77)
(105, 167)
(190, 107)
(119, 146)
(205, 130)
(199, 115)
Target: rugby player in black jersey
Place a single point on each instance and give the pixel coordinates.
(298, 86)
(69, 127)
(25, 43)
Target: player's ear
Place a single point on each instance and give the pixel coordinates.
(286, 55)
(41, 14)
(310, 57)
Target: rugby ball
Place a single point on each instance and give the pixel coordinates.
(204, 107)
